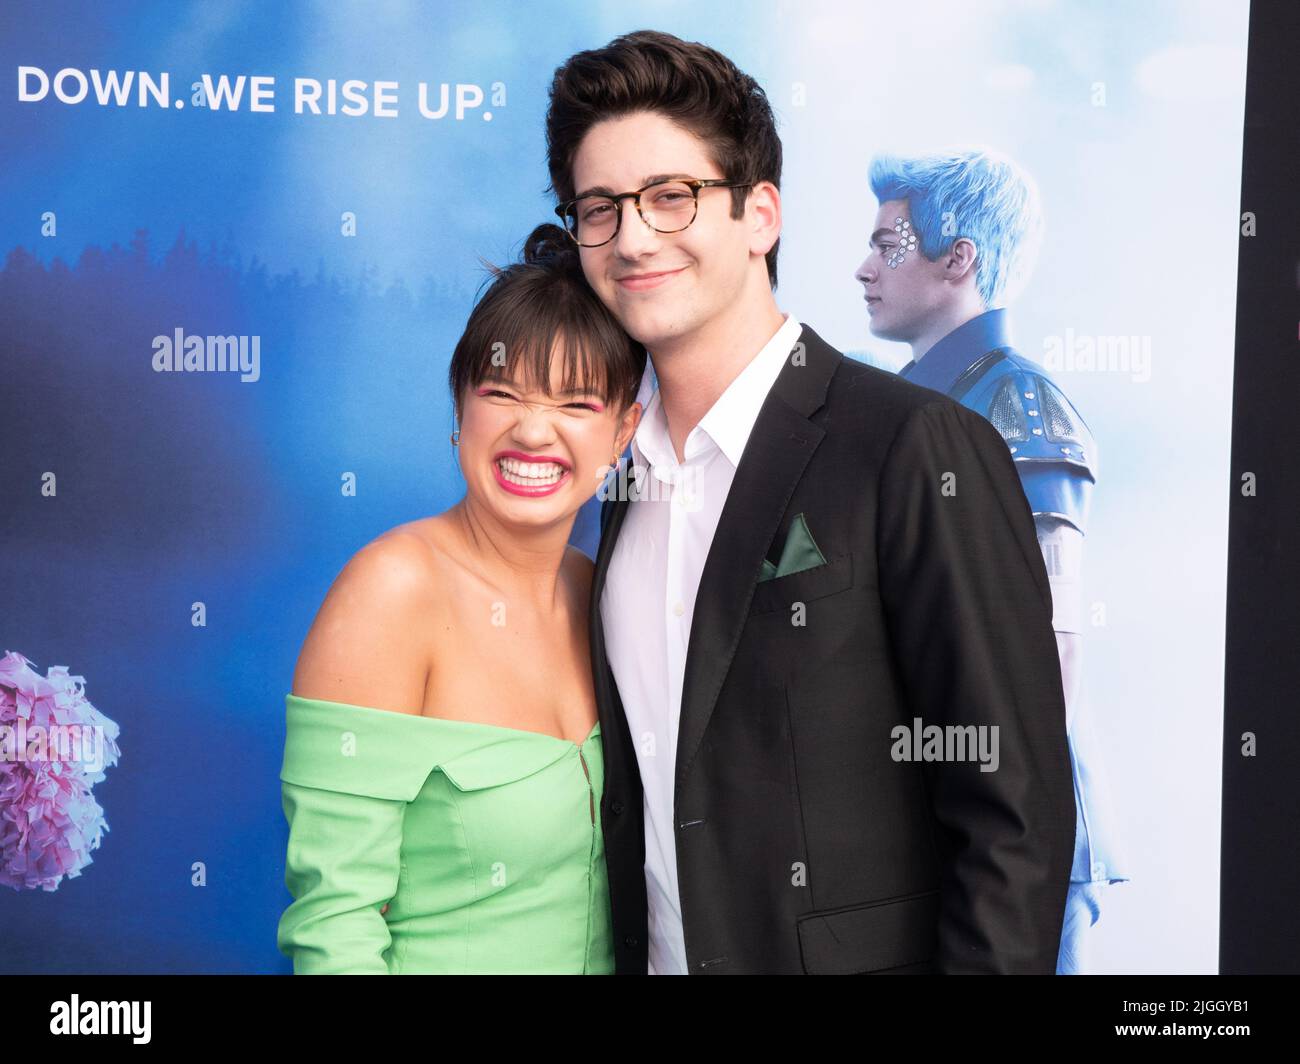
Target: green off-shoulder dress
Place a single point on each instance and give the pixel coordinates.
(484, 841)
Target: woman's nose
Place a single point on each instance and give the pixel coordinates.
(534, 427)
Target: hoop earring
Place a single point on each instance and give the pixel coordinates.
(455, 438)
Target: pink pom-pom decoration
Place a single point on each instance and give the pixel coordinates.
(54, 746)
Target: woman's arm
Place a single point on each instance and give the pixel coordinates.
(347, 777)
(342, 864)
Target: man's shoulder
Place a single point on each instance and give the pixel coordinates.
(853, 379)
(1023, 373)
(868, 410)
(862, 393)
(862, 397)
(1035, 415)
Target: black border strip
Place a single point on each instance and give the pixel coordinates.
(1259, 926)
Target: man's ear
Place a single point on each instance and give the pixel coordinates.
(764, 201)
(960, 259)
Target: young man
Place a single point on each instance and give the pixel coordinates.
(833, 586)
(953, 242)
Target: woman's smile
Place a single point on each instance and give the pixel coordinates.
(530, 478)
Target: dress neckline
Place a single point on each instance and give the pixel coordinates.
(516, 731)
(462, 723)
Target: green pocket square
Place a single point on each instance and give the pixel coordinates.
(799, 553)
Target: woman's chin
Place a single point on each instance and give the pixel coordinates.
(535, 511)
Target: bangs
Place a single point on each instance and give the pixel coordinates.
(530, 317)
(523, 355)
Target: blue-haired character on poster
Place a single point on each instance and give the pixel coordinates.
(953, 242)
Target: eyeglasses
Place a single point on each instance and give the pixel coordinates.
(665, 206)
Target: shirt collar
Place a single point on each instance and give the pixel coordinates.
(648, 396)
(730, 420)
(950, 357)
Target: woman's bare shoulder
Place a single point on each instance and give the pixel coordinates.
(367, 645)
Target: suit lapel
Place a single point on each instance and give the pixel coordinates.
(612, 512)
(779, 448)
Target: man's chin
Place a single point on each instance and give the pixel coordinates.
(882, 331)
(648, 325)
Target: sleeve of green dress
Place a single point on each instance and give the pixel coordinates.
(349, 773)
(341, 867)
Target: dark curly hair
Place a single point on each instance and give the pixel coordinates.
(690, 83)
(533, 305)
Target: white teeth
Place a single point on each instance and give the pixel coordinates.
(530, 474)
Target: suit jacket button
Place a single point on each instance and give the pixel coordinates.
(616, 807)
(630, 940)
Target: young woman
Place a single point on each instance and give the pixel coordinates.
(442, 767)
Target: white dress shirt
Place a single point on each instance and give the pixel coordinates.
(648, 602)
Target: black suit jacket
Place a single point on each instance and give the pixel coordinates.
(803, 844)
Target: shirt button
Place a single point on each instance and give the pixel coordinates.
(1099, 871)
(679, 609)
